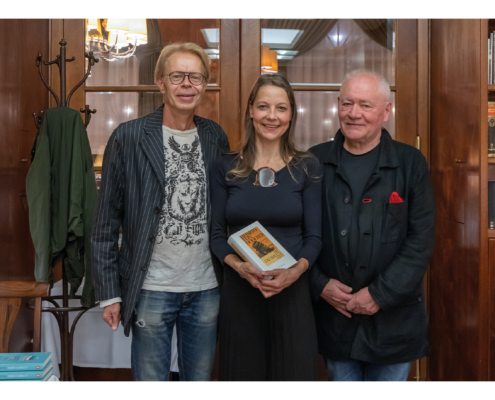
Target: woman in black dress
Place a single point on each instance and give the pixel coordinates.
(266, 327)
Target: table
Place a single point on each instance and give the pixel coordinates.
(95, 344)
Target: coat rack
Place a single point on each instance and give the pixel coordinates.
(61, 313)
(61, 63)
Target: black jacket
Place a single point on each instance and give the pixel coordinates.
(132, 197)
(395, 244)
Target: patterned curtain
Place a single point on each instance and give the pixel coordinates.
(378, 30)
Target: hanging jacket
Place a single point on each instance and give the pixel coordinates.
(61, 194)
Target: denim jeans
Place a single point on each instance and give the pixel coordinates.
(195, 314)
(363, 371)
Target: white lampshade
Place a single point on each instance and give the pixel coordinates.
(137, 29)
(121, 40)
(138, 42)
(117, 25)
(91, 23)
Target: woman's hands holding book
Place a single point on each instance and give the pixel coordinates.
(245, 269)
(282, 278)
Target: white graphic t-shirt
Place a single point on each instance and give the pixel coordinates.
(181, 259)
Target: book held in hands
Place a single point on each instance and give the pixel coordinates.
(256, 245)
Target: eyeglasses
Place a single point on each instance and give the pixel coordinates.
(177, 77)
(265, 177)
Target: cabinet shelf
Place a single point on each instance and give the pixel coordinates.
(491, 88)
(491, 160)
(491, 233)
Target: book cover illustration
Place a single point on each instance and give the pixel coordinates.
(262, 246)
(256, 245)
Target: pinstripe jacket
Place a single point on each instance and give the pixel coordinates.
(132, 196)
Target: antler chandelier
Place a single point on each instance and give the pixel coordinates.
(115, 39)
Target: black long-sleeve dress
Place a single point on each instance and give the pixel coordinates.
(267, 339)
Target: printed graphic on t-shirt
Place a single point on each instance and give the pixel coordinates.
(183, 217)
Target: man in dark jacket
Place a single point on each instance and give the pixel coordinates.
(378, 234)
(154, 188)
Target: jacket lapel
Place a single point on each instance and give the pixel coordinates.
(207, 143)
(152, 144)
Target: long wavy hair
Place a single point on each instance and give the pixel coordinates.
(246, 156)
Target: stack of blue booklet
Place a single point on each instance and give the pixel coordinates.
(25, 366)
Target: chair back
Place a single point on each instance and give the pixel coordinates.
(11, 293)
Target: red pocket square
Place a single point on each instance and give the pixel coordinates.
(395, 198)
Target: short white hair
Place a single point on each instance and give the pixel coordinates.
(383, 86)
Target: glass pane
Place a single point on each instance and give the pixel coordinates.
(113, 108)
(322, 51)
(317, 118)
(139, 68)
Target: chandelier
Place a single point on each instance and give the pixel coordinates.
(115, 39)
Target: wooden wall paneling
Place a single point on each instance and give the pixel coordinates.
(453, 310)
(491, 306)
(73, 32)
(482, 201)
(229, 80)
(250, 60)
(455, 124)
(406, 81)
(423, 130)
(456, 317)
(21, 93)
(423, 85)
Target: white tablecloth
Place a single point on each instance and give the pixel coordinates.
(95, 344)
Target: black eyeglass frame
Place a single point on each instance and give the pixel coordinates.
(184, 77)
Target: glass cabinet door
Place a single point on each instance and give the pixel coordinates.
(315, 56)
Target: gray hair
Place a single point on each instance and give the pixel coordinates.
(383, 86)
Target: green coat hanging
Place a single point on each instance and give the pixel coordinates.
(61, 194)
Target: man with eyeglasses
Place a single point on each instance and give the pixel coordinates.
(154, 188)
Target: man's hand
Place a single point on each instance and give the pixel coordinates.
(111, 315)
(362, 303)
(338, 295)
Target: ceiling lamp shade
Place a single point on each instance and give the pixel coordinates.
(91, 23)
(266, 62)
(273, 60)
(115, 39)
(117, 25)
(137, 29)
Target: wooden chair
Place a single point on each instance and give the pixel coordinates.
(11, 294)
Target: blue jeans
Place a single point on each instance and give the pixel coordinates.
(195, 314)
(363, 371)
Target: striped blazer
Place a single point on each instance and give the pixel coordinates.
(131, 197)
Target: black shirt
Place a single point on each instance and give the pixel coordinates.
(290, 211)
(357, 170)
